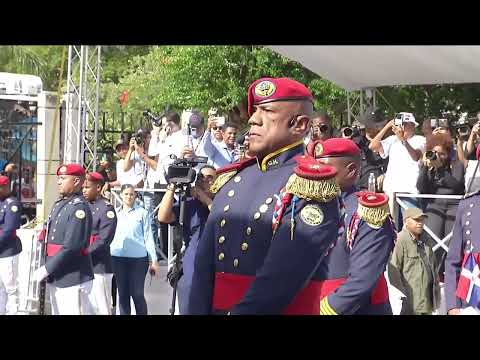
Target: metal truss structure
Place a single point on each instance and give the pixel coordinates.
(82, 105)
(358, 101)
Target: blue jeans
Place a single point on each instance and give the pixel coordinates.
(130, 276)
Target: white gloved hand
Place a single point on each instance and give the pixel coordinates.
(40, 274)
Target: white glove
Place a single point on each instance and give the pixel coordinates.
(40, 274)
(470, 311)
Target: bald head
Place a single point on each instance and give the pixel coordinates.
(348, 169)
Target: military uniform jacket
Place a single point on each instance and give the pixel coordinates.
(356, 273)
(68, 232)
(466, 237)
(104, 223)
(241, 267)
(10, 211)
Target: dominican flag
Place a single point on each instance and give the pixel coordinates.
(468, 288)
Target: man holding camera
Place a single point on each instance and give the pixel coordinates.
(403, 150)
(197, 209)
(273, 217)
(372, 120)
(321, 128)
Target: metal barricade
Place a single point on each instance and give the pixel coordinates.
(440, 243)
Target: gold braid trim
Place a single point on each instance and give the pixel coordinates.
(325, 308)
(318, 190)
(374, 216)
(221, 180)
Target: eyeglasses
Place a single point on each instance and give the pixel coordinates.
(215, 128)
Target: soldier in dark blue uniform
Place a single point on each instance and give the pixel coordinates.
(463, 255)
(103, 230)
(69, 265)
(10, 247)
(353, 270)
(272, 219)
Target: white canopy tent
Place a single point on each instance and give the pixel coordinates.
(358, 67)
(364, 68)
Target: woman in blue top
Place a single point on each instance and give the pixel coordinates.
(133, 253)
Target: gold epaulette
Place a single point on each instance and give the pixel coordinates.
(373, 208)
(323, 190)
(221, 180)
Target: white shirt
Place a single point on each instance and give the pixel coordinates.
(135, 174)
(173, 145)
(469, 171)
(402, 171)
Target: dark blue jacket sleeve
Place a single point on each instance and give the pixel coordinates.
(11, 222)
(453, 262)
(201, 293)
(76, 237)
(368, 260)
(290, 264)
(106, 232)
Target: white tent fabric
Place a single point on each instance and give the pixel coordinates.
(357, 67)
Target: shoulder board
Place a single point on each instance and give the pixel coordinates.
(471, 194)
(227, 172)
(240, 165)
(320, 190)
(373, 208)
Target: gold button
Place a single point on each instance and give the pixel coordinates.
(231, 193)
(221, 256)
(226, 208)
(469, 213)
(235, 263)
(237, 178)
(467, 223)
(221, 239)
(268, 201)
(257, 215)
(244, 246)
(471, 205)
(263, 209)
(222, 223)
(467, 232)
(249, 230)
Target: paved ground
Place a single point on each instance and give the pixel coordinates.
(158, 293)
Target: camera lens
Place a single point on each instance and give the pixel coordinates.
(323, 128)
(348, 132)
(430, 155)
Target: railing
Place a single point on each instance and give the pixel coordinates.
(440, 243)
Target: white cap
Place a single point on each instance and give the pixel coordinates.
(408, 117)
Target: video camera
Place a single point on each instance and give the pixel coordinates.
(139, 137)
(463, 125)
(156, 120)
(182, 171)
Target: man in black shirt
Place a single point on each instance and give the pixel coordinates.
(372, 120)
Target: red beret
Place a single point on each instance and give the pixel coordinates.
(308, 168)
(478, 152)
(95, 177)
(71, 169)
(335, 147)
(371, 199)
(4, 180)
(267, 90)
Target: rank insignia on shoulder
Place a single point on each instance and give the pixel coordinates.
(14, 208)
(110, 214)
(80, 214)
(313, 181)
(312, 215)
(228, 172)
(373, 208)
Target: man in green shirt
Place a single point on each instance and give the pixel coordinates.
(412, 267)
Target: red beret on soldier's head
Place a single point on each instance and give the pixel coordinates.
(95, 177)
(71, 169)
(267, 90)
(334, 147)
(4, 180)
